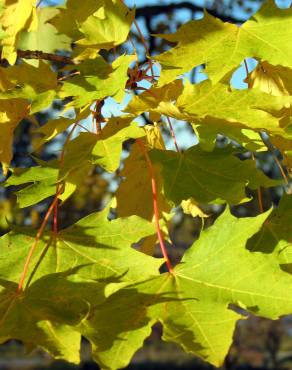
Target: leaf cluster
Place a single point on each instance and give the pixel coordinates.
(100, 277)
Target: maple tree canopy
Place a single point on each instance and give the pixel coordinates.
(87, 279)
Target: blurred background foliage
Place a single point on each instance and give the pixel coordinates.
(258, 343)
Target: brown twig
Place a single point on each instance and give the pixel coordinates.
(37, 54)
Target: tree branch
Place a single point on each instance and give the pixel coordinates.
(36, 54)
(150, 11)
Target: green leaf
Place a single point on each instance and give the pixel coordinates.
(108, 149)
(194, 303)
(208, 177)
(274, 235)
(55, 126)
(25, 317)
(43, 185)
(238, 108)
(207, 130)
(218, 271)
(103, 246)
(252, 39)
(24, 82)
(119, 326)
(45, 38)
(98, 80)
(108, 27)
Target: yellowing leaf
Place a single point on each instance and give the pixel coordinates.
(200, 42)
(137, 183)
(108, 26)
(24, 82)
(17, 16)
(274, 80)
(154, 137)
(190, 207)
(152, 99)
(45, 37)
(54, 127)
(12, 111)
(100, 24)
(70, 16)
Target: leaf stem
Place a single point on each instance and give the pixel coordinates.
(172, 134)
(247, 72)
(53, 207)
(59, 185)
(35, 243)
(259, 191)
(155, 206)
(145, 46)
(271, 149)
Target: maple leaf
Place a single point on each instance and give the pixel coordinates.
(274, 80)
(45, 37)
(98, 80)
(12, 111)
(275, 234)
(21, 81)
(17, 16)
(94, 241)
(54, 127)
(108, 26)
(38, 317)
(252, 39)
(195, 168)
(108, 149)
(137, 182)
(193, 303)
(42, 184)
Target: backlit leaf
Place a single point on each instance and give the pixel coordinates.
(252, 39)
(208, 177)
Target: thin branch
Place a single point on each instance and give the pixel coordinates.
(154, 10)
(155, 205)
(36, 54)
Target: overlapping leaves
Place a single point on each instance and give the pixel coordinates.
(252, 39)
(88, 279)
